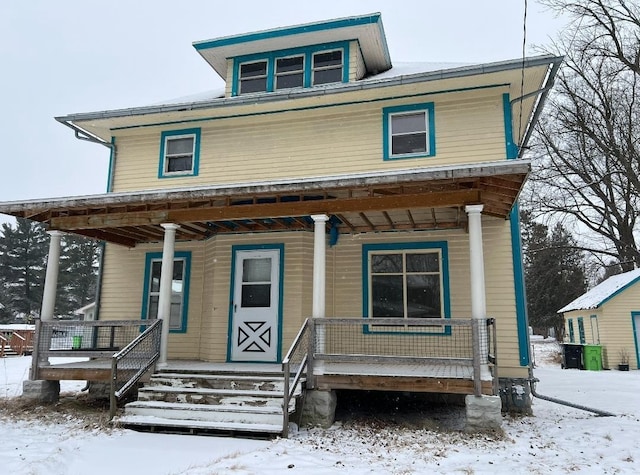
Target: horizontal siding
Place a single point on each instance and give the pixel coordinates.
(317, 142)
(208, 324)
(617, 323)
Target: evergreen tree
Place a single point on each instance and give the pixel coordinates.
(554, 273)
(23, 258)
(78, 271)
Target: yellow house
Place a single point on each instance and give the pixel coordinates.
(377, 200)
(608, 315)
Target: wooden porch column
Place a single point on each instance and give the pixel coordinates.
(48, 301)
(166, 278)
(478, 298)
(319, 284)
(319, 264)
(51, 277)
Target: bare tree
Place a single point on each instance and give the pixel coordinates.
(588, 168)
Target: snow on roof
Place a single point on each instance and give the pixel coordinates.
(603, 291)
(398, 70)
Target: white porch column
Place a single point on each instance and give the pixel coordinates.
(166, 277)
(51, 277)
(478, 298)
(319, 282)
(319, 264)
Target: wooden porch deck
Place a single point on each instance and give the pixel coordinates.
(441, 378)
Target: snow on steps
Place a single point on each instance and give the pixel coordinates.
(248, 402)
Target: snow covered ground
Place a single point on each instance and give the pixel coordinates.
(558, 439)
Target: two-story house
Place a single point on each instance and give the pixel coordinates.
(376, 200)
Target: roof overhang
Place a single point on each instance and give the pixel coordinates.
(366, 29)
(409, 199)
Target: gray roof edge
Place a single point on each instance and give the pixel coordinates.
(463, 71)
(292, 184)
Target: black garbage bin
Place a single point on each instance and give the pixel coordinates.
(572, 356)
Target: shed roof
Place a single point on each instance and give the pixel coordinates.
(603, 292)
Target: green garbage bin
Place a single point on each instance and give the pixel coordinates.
(592, 356)
(77, 342)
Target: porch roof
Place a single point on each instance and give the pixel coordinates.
(408, 199)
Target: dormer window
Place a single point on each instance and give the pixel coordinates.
(253, 77)
(289, 72)
(327, 67)
(290, 69)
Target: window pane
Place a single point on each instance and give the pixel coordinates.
(253, 85)
(256, 295)
(179, 164)
(407, 123)
(289, 64)
(402, 144)
(385, 263)
(253, 69)
(180, 146)
(289, 81)
(323, 60)
(175, 314)
(156, 267)
(153, 307)
(326, 76)
(176, 282)
(256, 270)
(386, 296)
(426, 262)
(423, 296)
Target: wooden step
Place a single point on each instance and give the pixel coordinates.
(216, 381)
(192, 426)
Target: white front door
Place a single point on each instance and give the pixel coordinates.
(255, 306)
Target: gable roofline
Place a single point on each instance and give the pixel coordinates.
(603, 292)
(369, 83)
(366, 29)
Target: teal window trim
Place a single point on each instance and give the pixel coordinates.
(636, 335)
(581, 334)
(307, 52)
(155, 256)
(388, 112)
(195, 165)
(255, 247)
(442, 246)
(572, 336)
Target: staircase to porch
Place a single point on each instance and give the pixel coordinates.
(204, 400)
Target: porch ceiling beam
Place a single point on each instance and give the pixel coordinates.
(273, 210)
(107, 236)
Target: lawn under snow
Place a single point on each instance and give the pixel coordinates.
(558, 439)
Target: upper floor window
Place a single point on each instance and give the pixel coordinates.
(289, 72)
(294, 68)
(253, 77)
(327, 67)
(179, 153)
(409, 131)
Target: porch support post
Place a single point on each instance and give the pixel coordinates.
(319, 283)
(166, 277)
(51, 277)
(478, 297)
(319, 264)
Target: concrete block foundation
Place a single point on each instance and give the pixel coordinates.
(319, 409)
(483, 413)
(41, 391)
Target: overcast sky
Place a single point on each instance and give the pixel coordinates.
(67, 56)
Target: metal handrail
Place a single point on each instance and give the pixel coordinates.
(290, 386)
(153, 331)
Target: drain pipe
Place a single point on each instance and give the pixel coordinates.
(532, 382)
